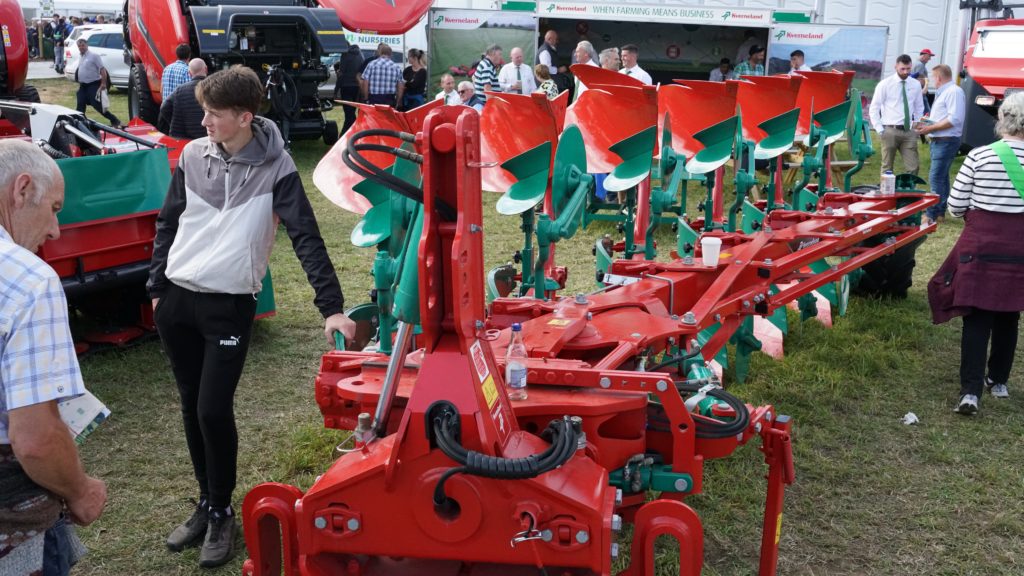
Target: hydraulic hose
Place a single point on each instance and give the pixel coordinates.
(360, 165)
(708, 428)
(563, 435)
(51, 151)
(674, 360)
(284, 96)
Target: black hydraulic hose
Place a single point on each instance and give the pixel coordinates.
(284, 96)
(563, 433)
(360, 165)
(709, 428)
(673, 360)
(51, 151)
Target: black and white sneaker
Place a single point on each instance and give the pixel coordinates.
(968, 405)
(996, 390)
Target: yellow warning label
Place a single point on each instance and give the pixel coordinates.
(559, 322)
(212, 31)
(491, 393)
(778, 528)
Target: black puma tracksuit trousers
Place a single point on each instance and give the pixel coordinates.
(206, 337)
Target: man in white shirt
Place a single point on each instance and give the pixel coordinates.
(630, 53)
(582, 53)
(894, 107)
(796, 62)
(516, 76)
(945, 129)
(448, 93)
(610, 60)
(92, 77)
(723, 71)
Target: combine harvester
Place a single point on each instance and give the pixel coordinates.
(445, 475)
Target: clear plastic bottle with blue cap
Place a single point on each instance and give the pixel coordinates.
(515, 365)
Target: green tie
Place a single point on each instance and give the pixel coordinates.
(906, 107)
(629, 72)
(519, 73)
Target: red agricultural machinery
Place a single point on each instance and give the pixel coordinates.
(13, 56)
(445, 474)
(114, 185)
(281, 40)
(993, 61)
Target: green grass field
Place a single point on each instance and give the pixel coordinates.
(872, 496)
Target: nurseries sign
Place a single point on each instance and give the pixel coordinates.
(647, 13)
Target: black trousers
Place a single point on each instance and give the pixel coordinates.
(206, 337)
(979, 327)
(87, 96)
(348, 94)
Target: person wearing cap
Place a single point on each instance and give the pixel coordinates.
(920, 71)
(753, 65)
(895, 106)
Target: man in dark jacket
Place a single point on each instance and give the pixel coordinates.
(346, 87)
(181, 116)
(213, 241)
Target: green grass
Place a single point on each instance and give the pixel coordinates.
(872, 496)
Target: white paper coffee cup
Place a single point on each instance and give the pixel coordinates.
(710, 248)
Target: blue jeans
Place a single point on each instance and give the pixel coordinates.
(414, 101)
(943, 152)
(57, 550)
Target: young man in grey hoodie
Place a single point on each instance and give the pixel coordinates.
(213, 242)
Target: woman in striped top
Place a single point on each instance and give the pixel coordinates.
(981, 277)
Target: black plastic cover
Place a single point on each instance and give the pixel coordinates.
(213, 23)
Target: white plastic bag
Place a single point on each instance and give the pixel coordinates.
(104, 99)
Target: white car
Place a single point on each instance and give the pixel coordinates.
(107, 40)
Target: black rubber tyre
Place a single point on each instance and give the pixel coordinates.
(330, 132)
(28, 93)
(140, 100)
(889, 276)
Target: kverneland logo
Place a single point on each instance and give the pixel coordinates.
(450, 20)
(560, 8)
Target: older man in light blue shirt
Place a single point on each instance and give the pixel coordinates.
(945, 127)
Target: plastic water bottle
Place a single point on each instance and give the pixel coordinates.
(888, 183)
(515, 365)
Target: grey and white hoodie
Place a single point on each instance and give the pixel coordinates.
(216, 228)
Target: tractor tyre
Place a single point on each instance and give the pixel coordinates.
(889, 276)
(140, 99)
(27, 93)
(330, 132)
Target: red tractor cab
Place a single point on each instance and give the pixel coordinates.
(281, 40)
(993, 68)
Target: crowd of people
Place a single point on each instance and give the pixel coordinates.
(54, 31)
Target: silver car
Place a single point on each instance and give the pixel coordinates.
(107, 40)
